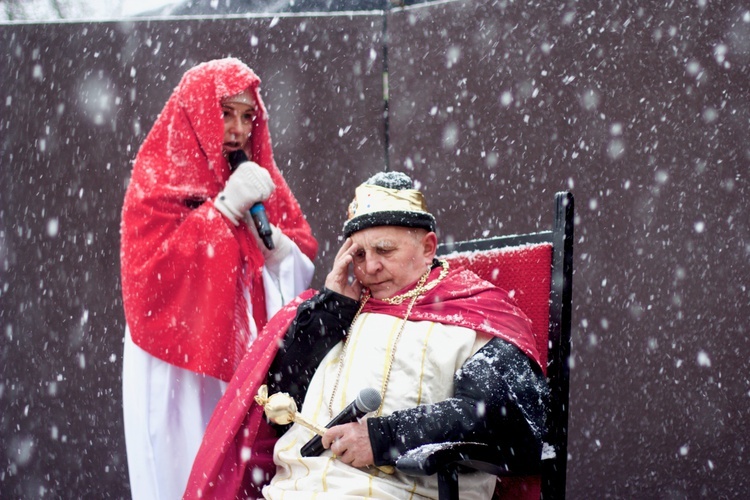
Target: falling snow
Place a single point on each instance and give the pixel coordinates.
(641, 110)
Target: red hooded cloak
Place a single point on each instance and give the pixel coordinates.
(184, 265)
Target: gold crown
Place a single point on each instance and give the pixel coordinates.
(375, 205)
(369, 198)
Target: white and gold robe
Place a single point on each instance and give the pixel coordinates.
(427, 355)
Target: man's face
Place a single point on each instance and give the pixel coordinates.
(389, 258)
(238, 123)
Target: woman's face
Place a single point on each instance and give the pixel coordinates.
(239, 113)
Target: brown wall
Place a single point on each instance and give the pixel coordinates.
(493, 109)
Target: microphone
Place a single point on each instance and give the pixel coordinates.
(367, 400)
(257, 211)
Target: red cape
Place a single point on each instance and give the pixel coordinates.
(221, 466)
(182, 276)
(464, 299)
(238, 444)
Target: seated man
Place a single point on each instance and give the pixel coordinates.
(451, 355)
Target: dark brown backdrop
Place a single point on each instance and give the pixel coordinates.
(642, 111)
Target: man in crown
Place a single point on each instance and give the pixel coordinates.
(451, 355)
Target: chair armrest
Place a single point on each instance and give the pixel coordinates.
(431, 458)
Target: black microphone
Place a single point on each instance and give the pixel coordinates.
(367, 400)
(257, 211)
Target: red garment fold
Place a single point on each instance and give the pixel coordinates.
(184, 265)
(238, 444)
(464, 299)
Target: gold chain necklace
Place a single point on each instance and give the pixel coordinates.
(421, 287)
(414, 294)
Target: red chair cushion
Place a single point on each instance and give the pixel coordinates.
(525, 271)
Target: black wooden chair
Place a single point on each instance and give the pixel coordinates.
(538, 269)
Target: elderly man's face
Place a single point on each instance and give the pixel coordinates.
(389, 258)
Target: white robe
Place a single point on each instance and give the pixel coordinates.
(427, 357)
(167, 408)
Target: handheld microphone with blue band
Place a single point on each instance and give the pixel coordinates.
(257, 211)
(367, 400)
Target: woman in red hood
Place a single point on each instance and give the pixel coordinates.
(197, 282)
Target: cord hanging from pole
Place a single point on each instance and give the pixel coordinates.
(386, 90)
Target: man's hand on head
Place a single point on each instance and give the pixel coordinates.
(338, 279)
(350, 443)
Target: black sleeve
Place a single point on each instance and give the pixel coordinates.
(499, 399)
(321, 322)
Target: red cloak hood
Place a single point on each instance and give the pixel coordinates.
(182, 261)
(238, 443)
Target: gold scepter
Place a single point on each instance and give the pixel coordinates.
(280, 408)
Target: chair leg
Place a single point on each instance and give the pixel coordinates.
(448, 484)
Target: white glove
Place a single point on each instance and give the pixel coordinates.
(247, 185)
(282, 245)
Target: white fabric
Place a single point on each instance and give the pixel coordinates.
(166, 408)
(282, 243)
(427, 356)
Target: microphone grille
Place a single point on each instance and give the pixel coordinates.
(368, 400)
(236, 157)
